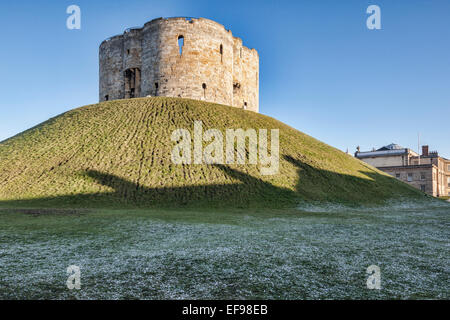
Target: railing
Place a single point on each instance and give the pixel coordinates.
(132, 28)
(187, 18)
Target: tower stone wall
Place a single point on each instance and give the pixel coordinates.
(180, 57)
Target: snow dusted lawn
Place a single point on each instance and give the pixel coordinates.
(309, 253)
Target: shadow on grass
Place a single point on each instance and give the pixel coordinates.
(324, 185)
(313, 185)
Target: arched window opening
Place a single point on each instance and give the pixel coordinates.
(106, 97)
(221, 53)
(156, 88)
(132, 83)
(236, 87)
(204, 90)
(180, 44)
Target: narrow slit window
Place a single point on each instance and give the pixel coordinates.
(156, 88)
(204, 90)
(180, 44)
(106, 97)
(221, 53)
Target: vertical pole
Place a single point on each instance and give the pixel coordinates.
(418, 144)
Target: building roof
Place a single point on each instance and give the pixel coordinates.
(391, 146)
(389, 150)
(381, 153)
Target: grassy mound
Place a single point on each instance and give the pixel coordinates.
(118, 153)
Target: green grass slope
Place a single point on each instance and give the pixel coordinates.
(118, 153)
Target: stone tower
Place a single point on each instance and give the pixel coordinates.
(180, 57)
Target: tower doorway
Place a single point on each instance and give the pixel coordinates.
(132, 83)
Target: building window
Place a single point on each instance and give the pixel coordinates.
(410, 177)
(397, 175)
(180, 44)
(156, 88)
(448, 167)
(245, 105)
(422, 187)
(221, 53)
(422, 176)
(128, 51)
(106, 97)
(204, 90)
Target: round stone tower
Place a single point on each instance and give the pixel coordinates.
(180, 57)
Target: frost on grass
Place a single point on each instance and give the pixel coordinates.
(302, 256)
(390, 205)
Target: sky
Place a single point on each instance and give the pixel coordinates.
(322, 71)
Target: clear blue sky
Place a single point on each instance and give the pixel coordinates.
(322, 71)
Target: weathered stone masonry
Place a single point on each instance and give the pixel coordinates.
(180, 57)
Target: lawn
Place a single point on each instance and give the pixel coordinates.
(119, 153)
(306, 253)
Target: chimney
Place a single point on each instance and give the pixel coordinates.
(425, 151)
